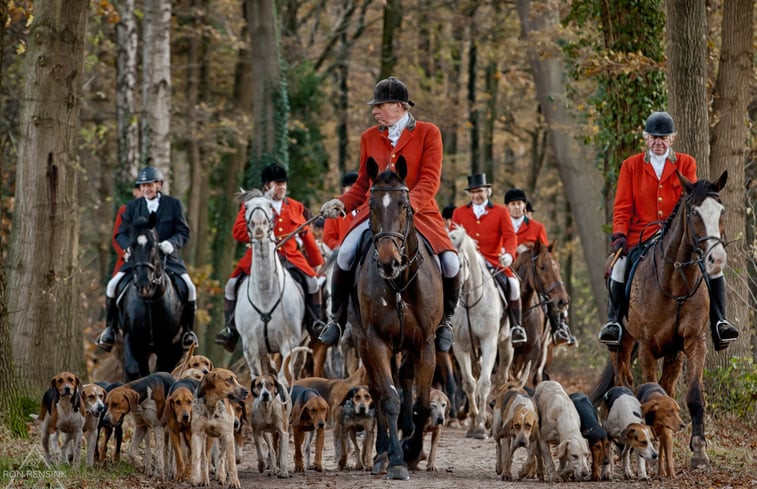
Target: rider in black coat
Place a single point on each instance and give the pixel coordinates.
(173, 234)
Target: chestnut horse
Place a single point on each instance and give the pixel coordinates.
(669, 303)
(542, 291)
(399, 305)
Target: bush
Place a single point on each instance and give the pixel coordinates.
(732, 389)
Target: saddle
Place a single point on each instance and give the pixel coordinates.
(178, 283)
(635, 256)
(503, 285)
(366, 241)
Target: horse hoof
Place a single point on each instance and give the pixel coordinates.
(700, 463)
(379, 464)
(398, 473)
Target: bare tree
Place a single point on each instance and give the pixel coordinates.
(44, 286)
(126, 82)
(687, 77)
(156, 83)
(729, 151)
(392, 23)
(582, 181)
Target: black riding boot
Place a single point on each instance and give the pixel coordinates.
(189, 337)
(341, 286)
(107, 338)
(723, 332)
(313, 320)
(515, 314)
(561, 334)
(229, 336)
(612, 331)
(451, 293)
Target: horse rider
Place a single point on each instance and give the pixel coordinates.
(447, 215)
(173, 234)
(397, 134)
(301, 263)
(647, 193)
(529, 231)
(490, 227)
(335, 229)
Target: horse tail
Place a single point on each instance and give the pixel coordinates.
(285, 364)
(605, 382)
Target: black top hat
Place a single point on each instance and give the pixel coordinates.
(390, 90)
(273, 173)
(476, 181)
(515, 194)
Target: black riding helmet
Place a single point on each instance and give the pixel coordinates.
(515, 194)
(149, 174)
(349, 178)
(390, 90)
(659, 124)
(273, 173)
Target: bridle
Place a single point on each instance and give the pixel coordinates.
(156, 273)
(399, 240)
(542, 290)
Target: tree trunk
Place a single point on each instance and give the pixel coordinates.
(126, 82)
(156, 86)
(492, 87)
(449, 126)
(392, 23)
(44, 288)
(582, 181)
(475, 153)
(687, 78)
(197, 171)
(270, 106)
(730, 136)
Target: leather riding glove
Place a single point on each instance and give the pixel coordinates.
(333, 208)
(166, 247)
(619, 242)
(505, 259)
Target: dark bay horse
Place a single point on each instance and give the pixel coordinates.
(399, 305)
(669, 302)
(150, 311)
(542, 291)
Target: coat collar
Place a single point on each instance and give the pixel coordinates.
(489, 204)
(667, 170)
(410, 124)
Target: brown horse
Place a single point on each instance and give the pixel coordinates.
(542, 290)
(669, 303)
(399, 304)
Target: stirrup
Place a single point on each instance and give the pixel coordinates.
(561, 336)
(227, 338)
(518, 335)
(445, 337)
(105, 345)
(331, 333)
(188, 339)
(610, 333)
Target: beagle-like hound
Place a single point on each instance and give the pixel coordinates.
(269, 418)
(663, 414)
(309, 413)
(515, 424)
(355, 414)
(625, 426)
(177, 418)
(596, 435)
(93, 396)
(60, 412)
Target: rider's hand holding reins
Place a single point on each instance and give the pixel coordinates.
(166, 247)
(333, 208)
(505, 259)
(619, 242)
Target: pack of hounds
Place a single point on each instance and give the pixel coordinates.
(194, 422)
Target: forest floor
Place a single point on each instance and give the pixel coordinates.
(462, 462)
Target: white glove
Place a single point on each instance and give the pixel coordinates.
(166, 247)
(506, 260)
(127, 255)
(333, 208)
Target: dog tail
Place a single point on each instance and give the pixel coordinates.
(184, 363)
(607, 379)
(285, 364)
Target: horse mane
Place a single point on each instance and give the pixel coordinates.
(700, 191)
(245, 195)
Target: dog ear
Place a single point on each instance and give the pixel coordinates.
(305, 416)
(165, 416)
(76, 398)
(280, 390)
(204, 384)
(350, 394)
(132, 397)
(629, 432)
(562, 449)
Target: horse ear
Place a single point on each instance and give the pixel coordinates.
(401, 168)
(372, 167)
(152, 220)
(551, 245)
(685, 181)
(721, 181)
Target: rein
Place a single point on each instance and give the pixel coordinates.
(158, 292)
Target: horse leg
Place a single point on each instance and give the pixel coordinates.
(446, 372)
(672, 365)
(622, 361)
(405, 420)
(424, 375)
(648, 364)
(319, 357)
(463, 358)
(695, 354)
(133, 364)
(488, 355)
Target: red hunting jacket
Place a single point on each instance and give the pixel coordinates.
(290, 218)
(335, 229)
(531, 231)
(421, 145)
(492, 232)
(641, 199)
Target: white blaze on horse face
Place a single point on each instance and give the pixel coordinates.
(386, 201)
(710, 211)
(142, 240)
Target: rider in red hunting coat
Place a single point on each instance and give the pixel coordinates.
(647, 193)
(530, 231)
(335, 229)
(490, 227)
(289, 214)
(396, 134)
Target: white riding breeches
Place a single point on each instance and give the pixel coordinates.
(345, 260)
(514, 288)
(619, 270)
(110, 289)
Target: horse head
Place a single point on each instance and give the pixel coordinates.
(544, 272)
(258, 212)
(145, 255)
(704, 220)
(391, 219)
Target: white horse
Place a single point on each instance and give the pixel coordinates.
(478, 322)
(270, 304)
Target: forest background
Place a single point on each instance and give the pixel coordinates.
(548, 96)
